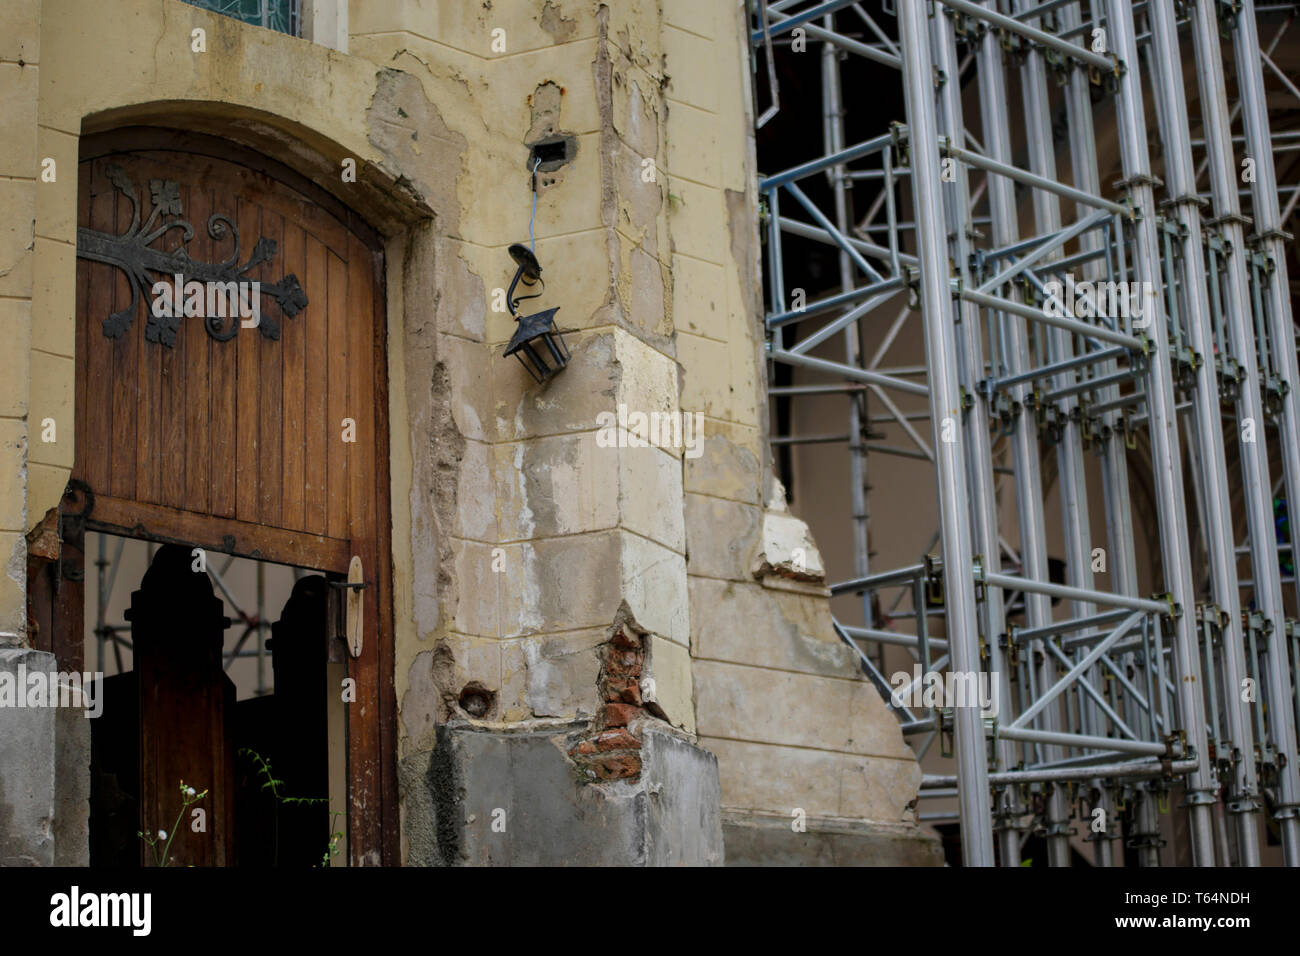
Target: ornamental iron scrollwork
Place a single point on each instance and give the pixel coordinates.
(130, 251)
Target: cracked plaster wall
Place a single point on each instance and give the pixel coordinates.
(518, 542)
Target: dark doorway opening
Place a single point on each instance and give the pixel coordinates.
(214, 744)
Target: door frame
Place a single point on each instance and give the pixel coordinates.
(372, 818)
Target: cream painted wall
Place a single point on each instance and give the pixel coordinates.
(649, 244)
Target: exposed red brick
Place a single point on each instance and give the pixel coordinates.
(618, 715)
(616, 766)
(616, 688)
(617, 740)
(584, 747)
(623, 663)
(623, 640)
(632, 694)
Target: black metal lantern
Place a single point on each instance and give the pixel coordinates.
(537, 342)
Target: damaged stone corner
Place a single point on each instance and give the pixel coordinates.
(786, 557)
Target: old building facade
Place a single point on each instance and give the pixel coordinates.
(571, 645)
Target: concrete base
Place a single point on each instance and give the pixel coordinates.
(760, 839)
(72, 787)
(27, 760)
(491, 798)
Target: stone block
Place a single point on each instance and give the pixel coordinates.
(18, 93)
(795, 710)
(653, 585)
(552, 676)
(759, 839)
(581, 293)
(72, 792)
(721, 537)
(13, 475)
(704, 385)
(56, 202)
(470, 370)
(53, 384)
(468, 27)
(693, 144)
(699, 298)
(691, 65)
(649, 489)
(15, 331)
(636, 114)
(476, 493)
(640, 196)
(786, 547)
(642, 285)
(54, 290)
(45, 485)
(20, 31)
(485, 798)
(790, 632)
(28, 755)
(558, 485)
(570, 401)
(478, 587)
(728, 466)
(669, 667)
(776, 779)
(561, 584)
(18, 200)
(692, 16)
(13, 589)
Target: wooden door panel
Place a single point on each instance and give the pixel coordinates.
(236, 445)
(250, 428)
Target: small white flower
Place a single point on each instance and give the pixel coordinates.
(189, 791)
(162, 834)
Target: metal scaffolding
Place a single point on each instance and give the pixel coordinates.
(1148, 322)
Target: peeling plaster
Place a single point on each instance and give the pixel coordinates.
(554, 22)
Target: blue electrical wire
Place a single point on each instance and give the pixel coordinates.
(532, 243)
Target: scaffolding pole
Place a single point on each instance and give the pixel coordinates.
(945, 403)
(1019, 372)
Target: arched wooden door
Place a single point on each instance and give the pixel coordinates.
(268, 441)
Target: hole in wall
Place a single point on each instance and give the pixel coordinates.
(553, 152)
(476, 700)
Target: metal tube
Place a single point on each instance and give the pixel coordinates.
(1035, 180)
(1060, 322)
(849, 44)
(847, 321)
(1044, 249)
(1047, 371)
(1026, 634)
(944, 393)
(849, 372)
(1115, 771)
(1220, 537)
(1082, 740)
(976, 438)
(1011, 582)
(881, 579)
(1046, 698)
(847, 155)
(796, 228)
(1250, 82)
(1165, 453)
(857, 406)
(1012, 25)
(1004, 216)
(891, 637)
